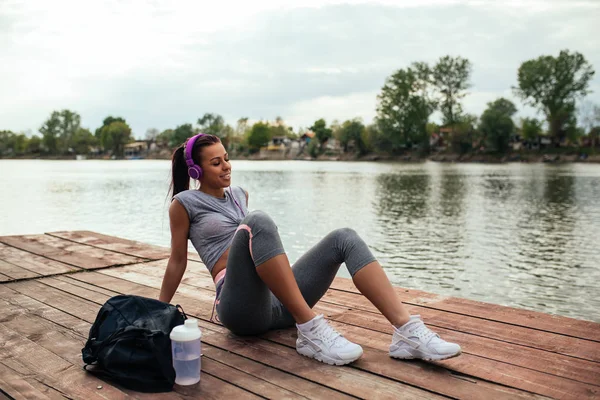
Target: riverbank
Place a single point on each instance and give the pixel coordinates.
(523, 157)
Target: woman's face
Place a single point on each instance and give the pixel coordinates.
(216, 169)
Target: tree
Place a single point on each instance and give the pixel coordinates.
(531, 128)
(82, 140)
(181, 134)
(259, 136)
(242, 126)
(589, 115)
(165, 138)
(451, 78)
(34, 145)
(404, 107)
(152, 134)
(464, 133)
(322, 132)
(115, 136)
(553, 85)
(497, 125)
(58, 130)
(353, 131)
(107, 121)
(212, 124)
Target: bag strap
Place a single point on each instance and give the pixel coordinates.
(181, 309)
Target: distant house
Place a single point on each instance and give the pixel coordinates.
(135, 150)
(278, 143)
(307, 136)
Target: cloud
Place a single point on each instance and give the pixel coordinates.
(160, 64)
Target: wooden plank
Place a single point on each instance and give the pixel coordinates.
(228, 370)
(120, 245)
(454, 387)
(494, 312)
(78, 255)
(472, 331)
(11, 272)
(50, 369)
(28, 265)
(18, 387)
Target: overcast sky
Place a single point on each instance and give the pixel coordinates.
(161, 63)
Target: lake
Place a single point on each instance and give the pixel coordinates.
(513, 234)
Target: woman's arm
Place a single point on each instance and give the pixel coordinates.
(180, 226)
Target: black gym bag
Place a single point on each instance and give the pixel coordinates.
(129, 343)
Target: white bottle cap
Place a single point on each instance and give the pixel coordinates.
(187, 332)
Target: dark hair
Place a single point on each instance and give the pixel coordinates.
(180, 178)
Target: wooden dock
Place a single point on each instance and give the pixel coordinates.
(53, 285)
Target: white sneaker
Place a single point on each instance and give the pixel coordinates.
(415, 340)
(323, 343)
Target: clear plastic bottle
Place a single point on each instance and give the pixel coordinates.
(186, 348)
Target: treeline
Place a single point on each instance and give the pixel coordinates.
(554, 85)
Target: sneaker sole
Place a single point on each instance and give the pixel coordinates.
(427, 357)
(324, 359)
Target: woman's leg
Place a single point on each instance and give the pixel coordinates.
(316, 269)
(257, 267)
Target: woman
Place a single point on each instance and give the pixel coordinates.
(256, 290)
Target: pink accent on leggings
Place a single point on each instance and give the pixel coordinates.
(220, 275)
(247, 228)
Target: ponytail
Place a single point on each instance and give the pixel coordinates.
(180, 178)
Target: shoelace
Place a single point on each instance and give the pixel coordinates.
(423, 332)
(328, 334)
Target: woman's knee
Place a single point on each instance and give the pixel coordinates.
(260, 219)
(345, 234)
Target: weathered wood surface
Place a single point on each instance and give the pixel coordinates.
(53, 285)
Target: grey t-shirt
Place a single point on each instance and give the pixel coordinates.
(213, 221)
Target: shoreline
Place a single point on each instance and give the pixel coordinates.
(529, 158)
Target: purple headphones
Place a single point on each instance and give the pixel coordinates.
(194, 171)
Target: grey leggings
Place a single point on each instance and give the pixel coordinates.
(246, 306)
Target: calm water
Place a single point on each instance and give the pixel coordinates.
(519, 235)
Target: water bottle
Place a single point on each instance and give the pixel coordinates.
(186, 349)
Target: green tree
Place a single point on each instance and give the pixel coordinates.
(353, 131)
(107, 121)
(58, 131)
(259, 136)
(497, 125)
(314, 148)
(322, 132)
(553, 85)
(451, 77)
(50, 132)
(464, 133)
(115, 136)
(12, 144)
(212, 124)
(181, 134)
(531, 128)
(34, 145)
(404, 107)
(165, 138)
(82, 140)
